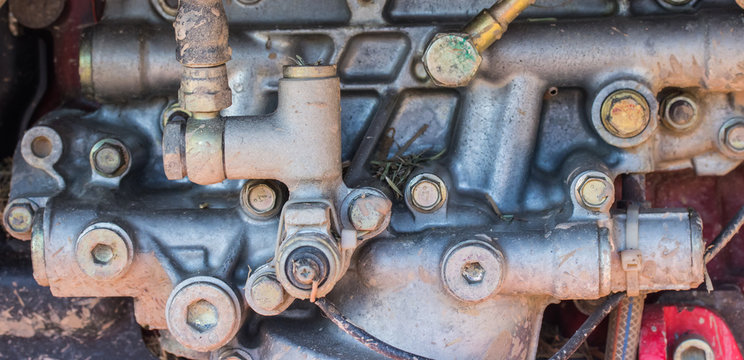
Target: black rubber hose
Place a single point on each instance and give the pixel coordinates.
(578, 338)
(732, 228)
(377, 345)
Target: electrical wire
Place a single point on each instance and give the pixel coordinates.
(377, 345)
(731, 229)
(570, 347)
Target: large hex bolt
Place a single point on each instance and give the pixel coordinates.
(18, 218)
(104, 251)
(426, 193)
(203, 313)
(593, 190)
(265, 294)
(451, 60)
(473, 270)
(693, 349)
(370, 212)
(109, 158)
(680, 112)
(625, 113)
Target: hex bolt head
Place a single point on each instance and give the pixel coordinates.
(103, 251)
(625, 113)
(202, 315)
(451, 60)
(594, 191)
(108, 159)
(19, 217)
(426, 192)
(473, 272)
(267, 293)
(734, 136)
(261, 198)
(369, 212)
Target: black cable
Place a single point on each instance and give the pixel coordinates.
(377, 345)
(725, 236)
(578, 338)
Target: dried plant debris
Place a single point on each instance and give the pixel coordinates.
(299, 61)
(396, 169)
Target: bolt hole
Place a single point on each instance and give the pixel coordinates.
(102, 254)
(41, 147)
(553, 91)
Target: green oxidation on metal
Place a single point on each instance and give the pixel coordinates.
(465, 50)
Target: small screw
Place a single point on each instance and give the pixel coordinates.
(305, 271)
(594, 192)
(19, 217)
(625, 113)
(473, 272)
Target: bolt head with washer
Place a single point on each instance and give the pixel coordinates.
(18, 218)
(473, 270)
(426, 193)
(109, 158)
(261, 199)
(203, 313)
(104, 251)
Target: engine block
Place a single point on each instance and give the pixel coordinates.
(264, 156)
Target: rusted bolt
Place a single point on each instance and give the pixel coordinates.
(19, 217)
(594, 192)
(625, 113)
(369, 212)
(473, 272)
(693, 349)
(259, 198)
(267, 293)
(426, 192)
(680, 112)
(103, 251)
(234, 354)
(201, 315)
(734, 137)
(109, 157)
(451, 60)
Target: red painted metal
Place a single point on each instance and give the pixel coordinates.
(663, 327)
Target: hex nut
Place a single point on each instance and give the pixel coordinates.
(370, 213)
(109, 158)
(451, 60)
(693, 349)
(203, 313)
(103, 251)
(625, 113)
(426, 193)
(473, 270)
